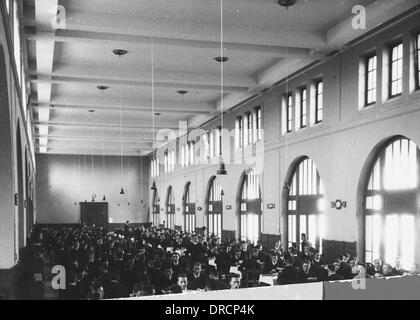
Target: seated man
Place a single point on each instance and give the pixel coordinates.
(213, 283)
(398, 270)
(306, 274)
(235, 281)
(332, 275)
(273, 265)
(181, 285)
(387, 270)
(252, 263)
(377, 265)
(115, 289)
(72, 291)
(344, 268)
(197, 279)
(289, 273)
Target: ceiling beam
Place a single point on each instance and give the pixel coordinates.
(107, 153)
(92, 138)
(41, 78)
(135, 76)
(88, 149)
(163, 106)
(106, 125)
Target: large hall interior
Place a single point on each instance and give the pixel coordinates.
(164, 148)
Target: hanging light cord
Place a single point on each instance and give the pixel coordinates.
(153, 96)
(121, 135)
(221, 75)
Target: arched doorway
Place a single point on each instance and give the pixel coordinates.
(390, 203)
(214, 201)
(250, 207)
(304, 203)
(170, 209)
(156, 208)
(188, 203)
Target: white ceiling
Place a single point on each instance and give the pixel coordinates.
(264, 42)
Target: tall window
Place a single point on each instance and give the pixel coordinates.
(170, 209)
(396, 70)
(303, 108)
(206, 146)
(215, 208)
(156, 209)
(154, 168)
(172, 168)
(215, 142)
(258, 123)
(416, 60)
(319, 101)
(391, 204)
(183, 158)
(191, 153)
(245, 129)
(251, 208)
(249, 127)
(289, 112)
(305, 204)
(238, 133)
(189, 209)
(166, 161)
(370, 80)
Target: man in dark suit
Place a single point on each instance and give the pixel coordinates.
(344, 268)
(115, 289)
(197, 279)
(273, 265)
(72, 291)
(213, 283)
(306, 274)
(289, 273)
(332, 276)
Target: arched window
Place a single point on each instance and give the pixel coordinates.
(189, 209)
(215, 208)
(170, 209)
(156, 209)
(391, 204)
(251, 208)
(305, 204)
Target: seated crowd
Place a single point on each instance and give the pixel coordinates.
(146, 261)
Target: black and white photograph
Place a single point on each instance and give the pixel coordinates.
(201, 157)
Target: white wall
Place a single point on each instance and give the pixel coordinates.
(63, 181)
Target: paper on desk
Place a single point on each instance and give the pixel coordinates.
(235, 270)
(212, 262)
(268, 279)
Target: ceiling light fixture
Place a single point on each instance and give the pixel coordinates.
(286, 3)
(221, 59)
(182, 92)
(120, 52)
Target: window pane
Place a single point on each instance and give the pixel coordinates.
(407, 241)
(391, 238)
